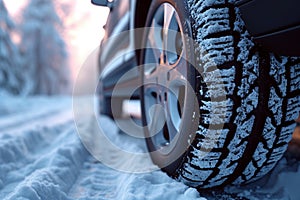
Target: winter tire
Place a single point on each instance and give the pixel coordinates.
(261, 104)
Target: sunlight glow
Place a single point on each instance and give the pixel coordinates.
(83, 27)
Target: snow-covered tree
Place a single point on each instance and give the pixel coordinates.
(43, 49)
(10, 76)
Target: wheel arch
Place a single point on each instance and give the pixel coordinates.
(140, 16)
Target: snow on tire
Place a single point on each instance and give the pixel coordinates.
(262, 100)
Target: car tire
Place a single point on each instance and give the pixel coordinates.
(262, 100)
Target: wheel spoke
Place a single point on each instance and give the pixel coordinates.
(150, 74)
(175, 102)
(173, 37)
(176, 76)
(159, 76)
(168, 31)
(157, 121)
(155, 42)
(169, 12)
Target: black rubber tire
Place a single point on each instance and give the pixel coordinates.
(263, 99)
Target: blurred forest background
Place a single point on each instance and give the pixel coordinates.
(44, 43)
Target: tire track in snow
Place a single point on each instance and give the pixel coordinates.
(21, 147)
(41, 155)
(50, 162)
(53, 174)
(98, 181)
(18, 152)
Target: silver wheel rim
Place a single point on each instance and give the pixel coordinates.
(164, 78)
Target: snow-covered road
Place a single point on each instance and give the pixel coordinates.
(43, 157)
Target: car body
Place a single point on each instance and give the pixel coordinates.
(273, 24)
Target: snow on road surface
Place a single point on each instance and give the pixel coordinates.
(42, 156)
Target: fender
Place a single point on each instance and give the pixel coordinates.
(274, 24)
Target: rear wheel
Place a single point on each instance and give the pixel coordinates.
(238, 138)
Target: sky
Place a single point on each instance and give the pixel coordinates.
(83, 30)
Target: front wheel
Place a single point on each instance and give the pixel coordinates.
(218, 109)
